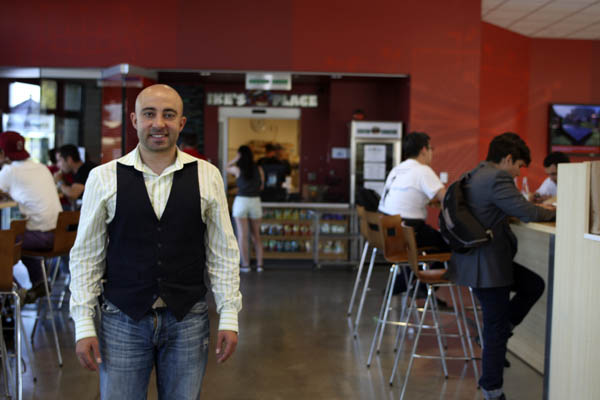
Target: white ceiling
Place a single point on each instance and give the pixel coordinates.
(567, 19)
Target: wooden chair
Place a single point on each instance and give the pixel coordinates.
(10, 253)
(431, 278)
(64, 238)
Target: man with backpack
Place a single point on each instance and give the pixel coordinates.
(492, 197)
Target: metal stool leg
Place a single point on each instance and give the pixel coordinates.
(469, 342)
(52, 321)
(358, 275)
(63, 293)
(476, 314)
(380, 324)
(414, 349)
(387, 308)
(458, 323)
(438, 331)
(405, 324)
(405, 297)
(18, 351)
(364, 291)
(6, 375)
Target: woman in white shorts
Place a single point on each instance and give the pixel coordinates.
(247, 210)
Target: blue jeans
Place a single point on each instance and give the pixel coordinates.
(501, 314)
(130, 350)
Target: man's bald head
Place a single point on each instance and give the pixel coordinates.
(159, 90)
(158, 119)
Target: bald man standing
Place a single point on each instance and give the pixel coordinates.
(151, 223)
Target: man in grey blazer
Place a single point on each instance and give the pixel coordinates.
(489, 269)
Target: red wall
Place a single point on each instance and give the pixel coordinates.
(521, 76)
(439, 47)
(504, 84)
(466, 76)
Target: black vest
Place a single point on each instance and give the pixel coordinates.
(147, 257)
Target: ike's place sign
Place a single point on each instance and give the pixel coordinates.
(262, 99)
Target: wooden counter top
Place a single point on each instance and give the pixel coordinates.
(546, 227)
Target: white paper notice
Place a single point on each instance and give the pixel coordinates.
(375, 185)
(373, 170)
(374, 153)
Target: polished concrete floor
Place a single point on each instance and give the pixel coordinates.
(295, 343)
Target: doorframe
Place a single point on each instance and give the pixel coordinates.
(246, 112)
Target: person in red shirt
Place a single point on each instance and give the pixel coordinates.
(188, 145)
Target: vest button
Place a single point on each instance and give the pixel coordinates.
(159, 245)
(159, 262)
(159, 229)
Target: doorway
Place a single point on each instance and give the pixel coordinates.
(255, 128)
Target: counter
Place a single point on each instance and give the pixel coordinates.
(322, 232)
(536, 252)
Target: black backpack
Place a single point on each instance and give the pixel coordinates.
(459, 227)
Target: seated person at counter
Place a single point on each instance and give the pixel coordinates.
(409, 187)
(30, 184)
(275, 170)
(547, 189)
(489, 269)
(69, 162)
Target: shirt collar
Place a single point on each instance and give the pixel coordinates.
(134, 159)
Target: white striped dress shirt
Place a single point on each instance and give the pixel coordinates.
(88, 256)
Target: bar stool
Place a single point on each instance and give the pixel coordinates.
(10, 253)
(394, 250)
(431, 278)
(360, 211)
(371, 231)
(64, 238)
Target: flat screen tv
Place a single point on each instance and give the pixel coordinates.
(574, 128)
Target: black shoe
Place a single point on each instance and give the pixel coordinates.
(34, 293)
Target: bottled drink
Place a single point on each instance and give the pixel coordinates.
(525, 188)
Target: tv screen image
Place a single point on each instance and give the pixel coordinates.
(574, 128)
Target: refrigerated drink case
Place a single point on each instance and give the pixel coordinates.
(375, 148)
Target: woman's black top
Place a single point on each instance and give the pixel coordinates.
(249, 187)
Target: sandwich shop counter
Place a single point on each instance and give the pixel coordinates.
(326, 233)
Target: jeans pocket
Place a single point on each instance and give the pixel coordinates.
(109, 308)
(199, 308)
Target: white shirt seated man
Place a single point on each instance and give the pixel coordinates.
(31, 185)
(548, 188)
(411, 185)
